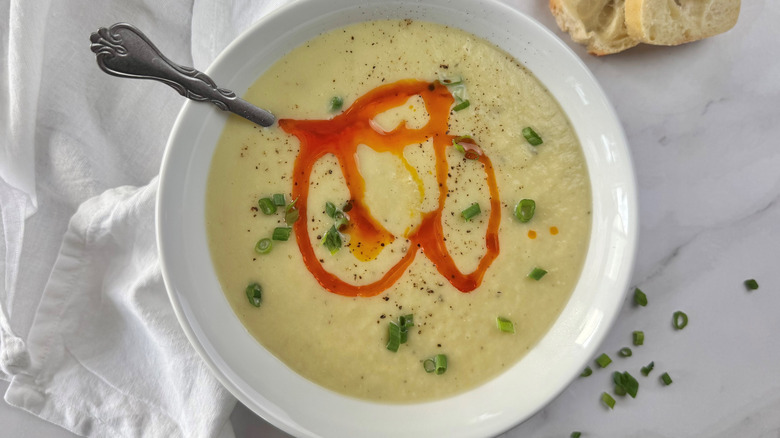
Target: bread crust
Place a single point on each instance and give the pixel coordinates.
(600, 38)
(675, 22)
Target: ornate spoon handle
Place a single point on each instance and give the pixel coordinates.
(124, 51)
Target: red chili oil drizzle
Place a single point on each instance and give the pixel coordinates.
(341, 136)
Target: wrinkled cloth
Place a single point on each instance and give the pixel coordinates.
(88, 338)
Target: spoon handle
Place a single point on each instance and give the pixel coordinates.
(124, 51)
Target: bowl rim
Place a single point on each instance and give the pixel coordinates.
(591, 326)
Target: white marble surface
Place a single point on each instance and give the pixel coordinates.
(703, 123)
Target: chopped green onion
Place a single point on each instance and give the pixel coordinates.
(586, 372)
(603, 360)
(394, 336)
(505, 325)
(291, 213)
(429, 365)
(531, 136)
(441, 363)
(608, 400)
(525, 209)
(278, 199)
(751, 284)
(266, 206)
(263, 246)
(666, 379)
(679, 320)
(576, 434)
(537, 274)
(470, 212)
(639, 297)
(639, 337)
(459, 147)
(406, 321)
(332, 240)
(336, 102)
(646, 370)
(254, 292)
(625, 352)
(461, 106)
(330, 209)
(625, 383)
(281, 233)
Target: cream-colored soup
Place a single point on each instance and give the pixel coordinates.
(339, 341)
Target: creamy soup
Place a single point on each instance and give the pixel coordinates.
(401, 144)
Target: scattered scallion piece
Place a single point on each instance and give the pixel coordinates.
(266, 206)
(263, 246)
(603, 360)
(625, 383)
(625, 352)
(646, 370)
(429, 365)
(640, 298)
(471, 211)
(679, 320)
(254, 292)
(751, 284)
(537, 273)
(525, 209)
(576, 434)
(281, 233)
(278, 199)
(531, 136)
(666, 379)
(586, 372)
(332, 240)
(291, 213)
(440, 361)
(336, 102)
(459, 147)
(608, 400)
(639, 337)
(505, 325)
(405, 322)
(462, 105)
(393, 336)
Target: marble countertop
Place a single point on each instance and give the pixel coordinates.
(703, 124)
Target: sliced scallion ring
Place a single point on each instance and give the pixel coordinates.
(281, 233)
(267, 206)
(505, 325)
(537, 274)
(471, 211)
(679, 320)
(524, 211)
(263, 246)
(254, 293)
(393, 336)
(531, 136)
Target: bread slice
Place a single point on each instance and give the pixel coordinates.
(599, 24)
(673, 22)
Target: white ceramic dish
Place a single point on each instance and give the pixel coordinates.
(301, 408)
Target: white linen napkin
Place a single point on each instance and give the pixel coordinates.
(96, 348)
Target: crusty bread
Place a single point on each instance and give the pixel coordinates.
(600, 24)
(673, 22)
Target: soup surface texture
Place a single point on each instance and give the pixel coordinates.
(400, 161)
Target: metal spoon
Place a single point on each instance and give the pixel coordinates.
(124, 51)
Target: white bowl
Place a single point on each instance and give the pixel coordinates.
(302, 408)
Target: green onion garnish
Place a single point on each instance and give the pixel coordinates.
(608, 400)
(266, 206)
(470, 212)
(646, 370)
(393, 336)
(254, 292)
(406, 321)
(278, 199)
(440, 361)
(281, 233)
(263, 246)
(461, 106)
(532, 136)
(537, 274)
(505, 325)
(336, 102)
(459, 147)
(603, 360)
(666, 379)
(332, 240)
(679, 320)
(525, 209)
(586, 372)
(625, 352)
(576, 434)
(639, 297)
(639, 337)
(625, 383)
(291, 213)
(751, 284)
(429, 365)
